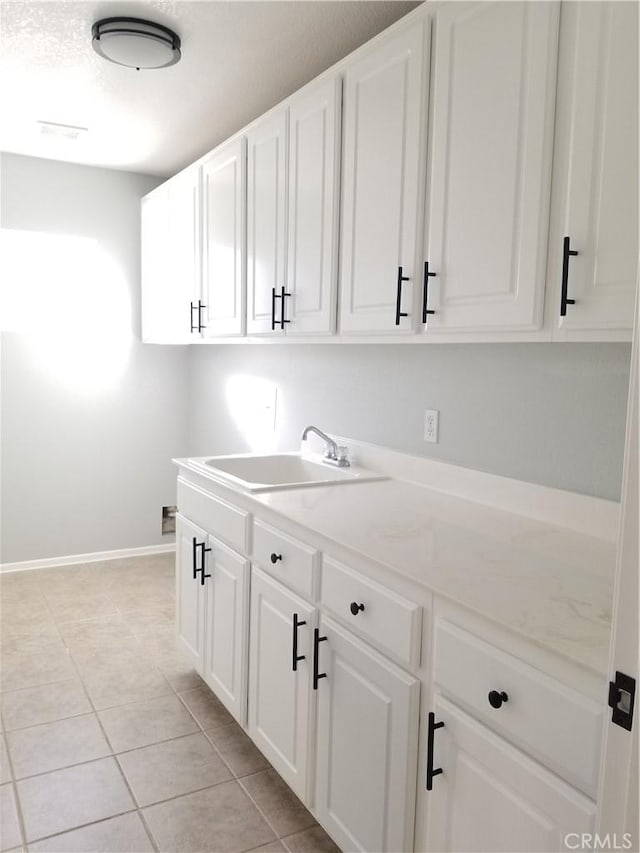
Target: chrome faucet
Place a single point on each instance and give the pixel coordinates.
(333, 453)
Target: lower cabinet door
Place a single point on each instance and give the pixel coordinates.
(225, 654)
(367, 745)
(491, 797)
(191, 557)
(280, 697)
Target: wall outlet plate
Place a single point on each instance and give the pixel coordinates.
(431, 425)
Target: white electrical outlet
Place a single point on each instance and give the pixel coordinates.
(431, 425)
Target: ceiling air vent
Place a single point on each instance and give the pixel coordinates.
(55, 130)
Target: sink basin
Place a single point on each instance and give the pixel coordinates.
(281, 471)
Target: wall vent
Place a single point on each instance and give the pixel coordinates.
(56, 130)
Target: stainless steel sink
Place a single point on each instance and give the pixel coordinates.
(281, 471)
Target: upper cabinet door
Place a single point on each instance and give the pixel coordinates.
(170, 252)
(493, 96)
(384, 123)
(314, 171)
(596, 171)
(185, 251)
(266, 226)
(223, 232)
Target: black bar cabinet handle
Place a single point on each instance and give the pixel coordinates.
(400, 313)
(567, 252)
(432, 726)
(317, 639)
(202, 571)
(425, 293)
(283, 293)
(273, 309)
(295, 656)
(193, 554)
(193, 308)
(201, 325)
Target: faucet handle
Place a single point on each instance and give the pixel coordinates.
(342, 456)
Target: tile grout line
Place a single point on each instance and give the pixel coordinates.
(17, 805)
(235, 778)
(174, 690)
(150, 835)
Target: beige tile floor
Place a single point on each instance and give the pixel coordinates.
(110, 742)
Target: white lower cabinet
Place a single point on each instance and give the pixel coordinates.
(327, 681)
(190, 595)
(491, 797)
(225, 647)
(280, 690)
(367, 745)
(211, 612)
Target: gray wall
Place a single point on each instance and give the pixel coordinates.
(85, 467)
(545, 413)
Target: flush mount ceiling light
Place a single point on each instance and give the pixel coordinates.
(135, 43)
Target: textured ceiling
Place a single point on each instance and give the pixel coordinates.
(238, 59)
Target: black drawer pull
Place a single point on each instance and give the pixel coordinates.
(356, 608)
(425, 293)
(567, 252)
(275, 557)
(295, 656)
(400, 313)
(432, 726)
(317, 639)
(496, 699)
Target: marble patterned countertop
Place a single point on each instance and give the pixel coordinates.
(552, 583)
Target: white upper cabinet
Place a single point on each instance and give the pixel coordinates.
(171, 260)
(184, 251)
(493, 95)
(223, 234)
(595, 201)
(384, 115)
(266, 198)
(312, 244)
(471, 175)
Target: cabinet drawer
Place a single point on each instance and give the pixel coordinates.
(216, 516)
(392, 623)
(554, 723)
(286, 558)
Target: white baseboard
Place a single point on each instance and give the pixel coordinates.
(95, 557)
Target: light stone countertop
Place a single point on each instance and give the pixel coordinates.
(551, 584)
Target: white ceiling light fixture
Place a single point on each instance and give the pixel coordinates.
(135, 43)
